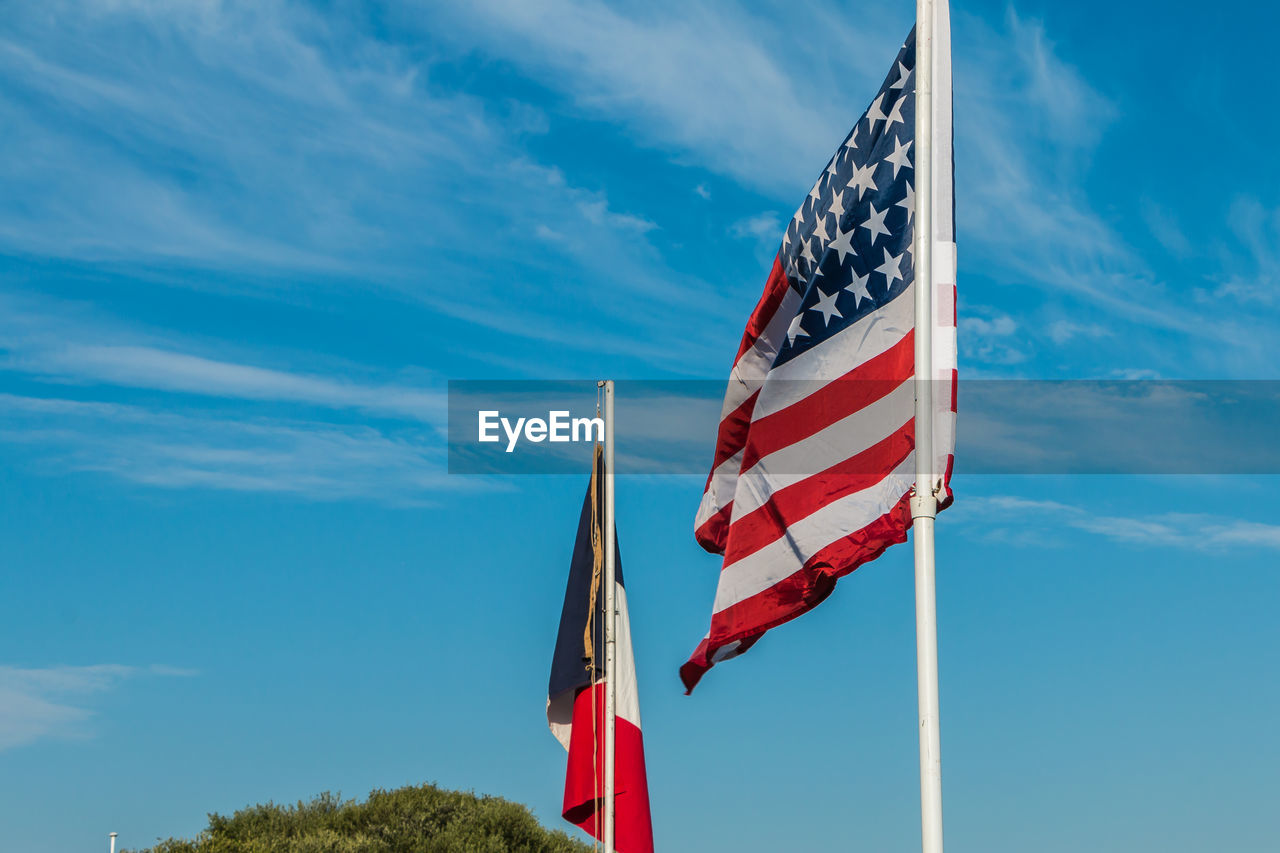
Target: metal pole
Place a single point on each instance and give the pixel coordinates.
(113, 842)
(610, 623)
(924, 503)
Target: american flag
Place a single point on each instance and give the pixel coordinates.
(814, 463)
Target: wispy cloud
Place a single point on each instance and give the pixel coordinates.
(1025, 122)
(271, 139)
(69, 343)
(1042, 521)
(154, 408)
(1254, 279)
(764, 227)
(1028, 123)
(992, 337)
(200, 163)
(167, 370)
(1165, 228)
(209, 450)
(696, 76)
(1061, 331)
(54, 702)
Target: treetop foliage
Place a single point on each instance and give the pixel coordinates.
(415, 819)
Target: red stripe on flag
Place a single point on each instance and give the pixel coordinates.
(732, 433)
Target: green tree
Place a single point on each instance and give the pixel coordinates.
(421, 819)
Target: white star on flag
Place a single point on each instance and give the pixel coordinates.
(820, 230)
(862, 179)
(837, 206)
(843, 243)
(858, 287)
(875, 113)
(895, 115)
(903, 74)
(899, 157)
(890, 269)
(796, 330)
(875, 222)
(806, 252)
(908, 201)
(827, 305)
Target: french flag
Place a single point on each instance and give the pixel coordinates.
(575, 696)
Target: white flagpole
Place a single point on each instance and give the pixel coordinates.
(924, 504)
(610, 623)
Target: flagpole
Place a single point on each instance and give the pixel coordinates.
(924, 503)
(610, 623)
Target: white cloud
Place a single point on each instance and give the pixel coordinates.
(1069, 108)
(167, 370)
(210, 450)
(597, 211)
(991, 337)
(716, 81)
(1061, 331)
(1028, 122)
(1014, 503)
(1026, 130)
(764, 227)
(1039, 520)
(298, 438)
(1255, 266)
(214, 159)
(51, 702)
(1135, 373)
(1000, 325)
(268, 139)
(1021, 112)
(1164, 227)
(1184, 530)
(64, 343)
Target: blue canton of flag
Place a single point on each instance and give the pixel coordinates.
(848, 248)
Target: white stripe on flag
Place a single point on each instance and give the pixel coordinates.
(837, 443)
(785, 556)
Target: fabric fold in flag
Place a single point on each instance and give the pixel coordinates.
(814, 463)
(576, 693)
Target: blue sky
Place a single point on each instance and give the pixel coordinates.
(244, 246)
